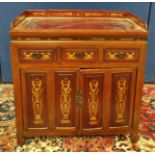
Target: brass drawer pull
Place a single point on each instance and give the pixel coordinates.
(121, 55)
(79, 99)
(79, 54)
(37, 55)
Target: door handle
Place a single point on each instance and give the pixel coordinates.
(79, 99)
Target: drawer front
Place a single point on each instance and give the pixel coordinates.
(121, 55)
(37, 56)
(80, 55)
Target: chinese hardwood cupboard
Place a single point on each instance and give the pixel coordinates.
(77, 72)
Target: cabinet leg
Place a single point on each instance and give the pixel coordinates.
(134, 137)
(20, 140)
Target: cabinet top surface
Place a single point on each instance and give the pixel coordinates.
(72, 22)
(78, 23)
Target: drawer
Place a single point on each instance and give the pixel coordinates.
(121, 55)
(80, 55)
(37, 56)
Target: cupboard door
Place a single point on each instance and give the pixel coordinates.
(66, 112)
(92, 90)
(34, 98)
(122, 97)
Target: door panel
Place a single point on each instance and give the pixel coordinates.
(122, 91)
(92, 83)
(66, 112)
(34, 98)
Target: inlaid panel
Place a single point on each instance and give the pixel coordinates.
(65, 89)
(80, 55)
(92, 92)
(36, 107)
(121, 55)
(37, 56)
(121, 98)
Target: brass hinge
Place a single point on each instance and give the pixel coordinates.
(79, 99)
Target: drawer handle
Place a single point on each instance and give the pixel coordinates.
(79, 54)
(121, 55)
(37, 55)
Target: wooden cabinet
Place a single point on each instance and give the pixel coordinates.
(73, 78)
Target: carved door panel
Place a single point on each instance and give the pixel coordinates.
(122, 97)
(35, 100)
(91, 102)
(66, 112)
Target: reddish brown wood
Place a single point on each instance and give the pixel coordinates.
(92, 86)
(34, 84)
(23, 27)
(83, 56)
(122, 84)
(65, 91)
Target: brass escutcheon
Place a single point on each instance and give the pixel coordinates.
(37, 55)
(121, 55)
(79, 54)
